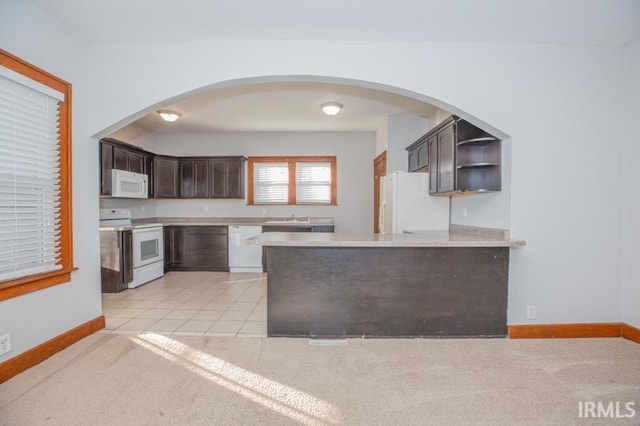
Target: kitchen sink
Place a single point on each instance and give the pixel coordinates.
(287, 222)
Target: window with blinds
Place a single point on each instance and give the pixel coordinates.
(313, 183)
(292, 180)
(36, 247)
(271, 183)
(30, 228)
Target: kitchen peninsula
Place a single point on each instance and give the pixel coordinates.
(432, 283)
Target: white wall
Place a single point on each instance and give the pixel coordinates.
(355, 152)
(38, 316)
(557, 102)
(437, 118)
(382, 136)
(630, 224)
(136, 135)
(403, 130)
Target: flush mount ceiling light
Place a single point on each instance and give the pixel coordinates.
(167, 115)
(331, 108)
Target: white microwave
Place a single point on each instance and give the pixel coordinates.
(126, 184)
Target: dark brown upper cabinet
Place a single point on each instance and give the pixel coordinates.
(227, 177)
(115, 154)
(106, 165)
(446, 159)
(460, 158)
(174, 177)
(194, 178)
(419, 155)
(165, 177)
(212, 177)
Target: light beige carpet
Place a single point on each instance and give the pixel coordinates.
(151, 379)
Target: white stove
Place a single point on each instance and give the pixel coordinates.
(148, 244)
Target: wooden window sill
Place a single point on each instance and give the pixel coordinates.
(31, 283)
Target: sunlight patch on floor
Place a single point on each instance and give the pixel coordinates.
(283, 399)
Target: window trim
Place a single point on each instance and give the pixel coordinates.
(292, 160)
(27, 284)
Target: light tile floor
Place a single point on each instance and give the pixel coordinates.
(192, 304)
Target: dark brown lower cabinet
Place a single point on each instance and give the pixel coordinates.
(196, 248)
(330, 292)
(285, 228)
(174, 246)
(119, 274)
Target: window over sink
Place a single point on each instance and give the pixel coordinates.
(292, 180)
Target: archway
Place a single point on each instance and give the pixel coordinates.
(490, 210)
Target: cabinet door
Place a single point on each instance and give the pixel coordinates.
(413, 160)
(235, 178)
(168, 249)
(178, 245)
(106, 164)
(148, 170)
(218, 178)
(423, 155)
(135, 161)
(446, 159)
(165, 177)
(120, 158)
(194, 178)
(433, 164)
(127, 259)
(186, 179)
(285, 228)
(207, 247)
(201, 178)
(322, 228)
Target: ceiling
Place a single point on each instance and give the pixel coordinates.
(295, 106)
(284, 106)
(590, 22)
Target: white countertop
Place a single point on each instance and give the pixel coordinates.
(116, 228)
(422, 239)
(238, 221)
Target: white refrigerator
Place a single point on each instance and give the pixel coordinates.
(405, 204)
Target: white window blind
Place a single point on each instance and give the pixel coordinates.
(29, 178)
(313, 183)
(271, 183)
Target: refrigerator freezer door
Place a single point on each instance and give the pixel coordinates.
(386, 204)
(406, 204)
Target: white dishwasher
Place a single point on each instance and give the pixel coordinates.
(242, 256)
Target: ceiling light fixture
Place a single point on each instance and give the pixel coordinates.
(331, 108)
(169, 116)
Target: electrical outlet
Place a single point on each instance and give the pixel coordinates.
(206, 207)
(531, 312)
(464, 211)
(264, 212)
(5, 343)
(142, 208)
